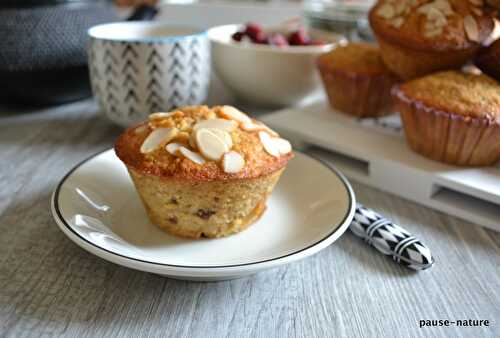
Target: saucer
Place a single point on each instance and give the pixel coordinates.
(97, 207)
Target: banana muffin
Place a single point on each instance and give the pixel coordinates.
(418, 37)
(203, 172)
(452, 117)
(356, 80)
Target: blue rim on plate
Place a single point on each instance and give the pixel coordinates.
(344, 224)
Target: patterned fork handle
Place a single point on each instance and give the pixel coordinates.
(391, 239)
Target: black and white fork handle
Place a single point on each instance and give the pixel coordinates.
(390, 239)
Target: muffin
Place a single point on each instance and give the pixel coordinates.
(203, 172)
(356, 80)
(419, 37)
(488, 60)
(452, 117)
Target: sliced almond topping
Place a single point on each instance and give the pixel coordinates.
(386, 11)
(477, 11)
(478, 3)
(223, 135)
(140, 130)
(227, 125)
(232, 162)
(232, 113)
(250, 126)
(172, 148)
(444, 6)
(434, 14)
(191, 155)
(397, 22)
(471, 29)
(158, 137)
(160, 115)
(258, 126)
(283, 145)
(210, 145)
(269, 130)
(269, 145)
(431, 33)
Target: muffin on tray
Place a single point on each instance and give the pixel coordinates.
(356, 80)
(452, 117)
(488, 60)
(418, 37)
(203, 172)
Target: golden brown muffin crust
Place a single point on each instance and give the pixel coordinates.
(408, 25)
(163, 164)
(356, 58)
(469, 95)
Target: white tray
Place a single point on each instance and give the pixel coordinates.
(374, 152)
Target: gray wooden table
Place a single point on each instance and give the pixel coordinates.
(51, 287)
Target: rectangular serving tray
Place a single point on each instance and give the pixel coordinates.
(374, 152)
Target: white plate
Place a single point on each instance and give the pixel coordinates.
(97, 207)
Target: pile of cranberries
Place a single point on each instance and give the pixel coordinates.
(254, 33)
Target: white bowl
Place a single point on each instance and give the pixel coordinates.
(267, 75)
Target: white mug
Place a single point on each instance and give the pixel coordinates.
(138, 68)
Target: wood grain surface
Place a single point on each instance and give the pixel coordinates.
(50, 287)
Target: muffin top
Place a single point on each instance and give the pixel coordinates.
(356, 58)
(472, 95)
(203, 144)
(432, 24)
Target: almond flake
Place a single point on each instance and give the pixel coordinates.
(232, 113)
(210, 145)
(434, 14)
(477, 11)
(444, 6)
(232, 162)
(269, 145)
(160, 115)
(158, 137)
(283, 145)
(397, 22)
(258, 126)
(433, 32)
(478, 3)
(172, 148)
(227, 125)
(251, 126)
(471, 29)
(386, 11)
(140, 130)
(191, 155)
(223, 135)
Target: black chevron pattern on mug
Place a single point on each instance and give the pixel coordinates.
(133, 79)
(391, 239)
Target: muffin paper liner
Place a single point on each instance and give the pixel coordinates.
(449, 137)
(358, 94)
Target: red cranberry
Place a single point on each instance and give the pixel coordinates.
(252, 30)
(238, 36)
(278, 40)
(260, 38)
(299, 38)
